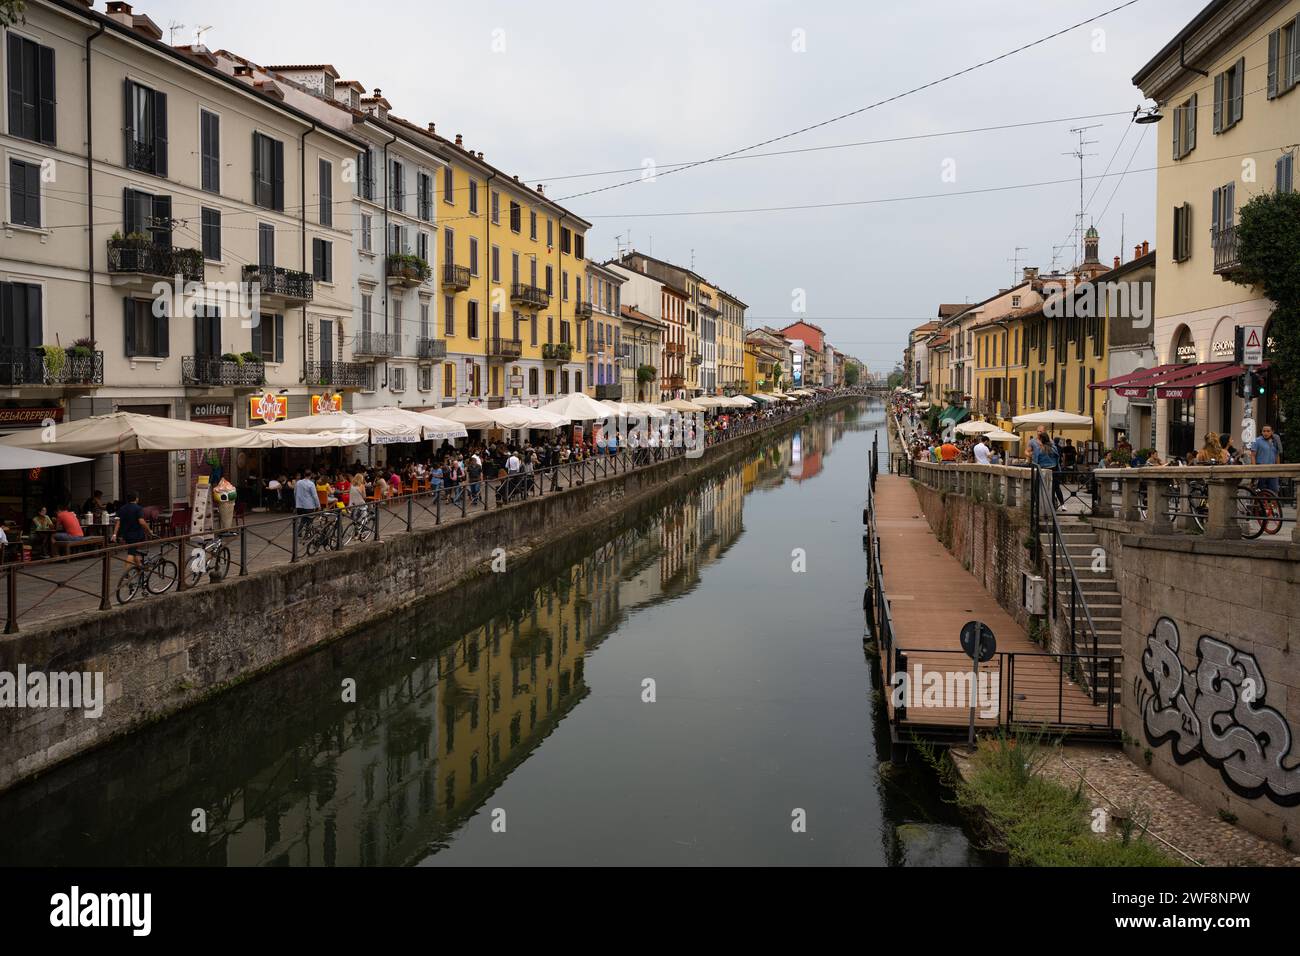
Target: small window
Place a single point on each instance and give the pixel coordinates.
(268, 172)
(448, 186)
(326, 193)
(24, 193)
(31, 90)
(1286, 173)
(1182, 232)
(146, 129)
(210, 151)
(1283, 59)
(1015, 302)
(532, 225)
(1229, 96)
(496, 208)
(211, 234)
(1184, 126)
(516, 217)
(399, 378)
(473, 256)
(322, 260)
(367, 229)
(473, 197)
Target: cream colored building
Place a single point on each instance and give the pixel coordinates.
(144, 169)
(1227, 86)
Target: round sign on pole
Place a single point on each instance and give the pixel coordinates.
(977, 635)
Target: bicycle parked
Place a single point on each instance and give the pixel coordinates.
(210, 557)
(153, 574)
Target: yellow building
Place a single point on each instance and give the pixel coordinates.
(512, 272)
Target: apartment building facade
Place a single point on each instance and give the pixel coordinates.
(164, 246)
(1226, 85)
(604, 332)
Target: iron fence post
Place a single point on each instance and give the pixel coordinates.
(243, 551)
(104, 604)
(11, 599)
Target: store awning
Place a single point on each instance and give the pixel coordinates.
(1172, 381)
(953, 414)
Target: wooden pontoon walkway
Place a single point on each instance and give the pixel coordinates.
(931, 596)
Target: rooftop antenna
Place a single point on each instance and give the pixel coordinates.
(1121, 237)
(171, 31)
(1015, 264)
(692, 260)
(198, 34)
(1056, 253)
(1079, 154)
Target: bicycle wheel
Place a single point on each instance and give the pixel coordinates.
(161, 576)
(1271, 509)
(1248, 514)
(219, 564)
(128, 585)
(197, 565)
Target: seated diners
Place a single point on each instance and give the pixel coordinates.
(69, 528)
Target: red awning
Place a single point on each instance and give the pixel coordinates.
(1173, 381)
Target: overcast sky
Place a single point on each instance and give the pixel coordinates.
(550, 90)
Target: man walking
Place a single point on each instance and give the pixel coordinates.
(306, 500)
(1267, 450)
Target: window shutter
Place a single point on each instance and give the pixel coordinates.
(279, 338)
(1294, 75)
(1239, 90)
(316, 266)
(33, 176)
(1218, 103)
(256, 347)
(277, 176)
(128, 122)
(162, 329)
(162, 220)
(160, 134)
(326, 193)
(327, 255)
(1189, 124)
(32, 321)
(1274, 43)
(1216, 213)
(128, 326)
(1229, 205)
(45, 94)
(15, 48)
(1187, 230)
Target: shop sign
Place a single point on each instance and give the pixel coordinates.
(1225, 349)
(17, 417)
(268, 408)
(1187, 353)
(1133, 391)
(327, 404)
(212, 410)
(1177, 393)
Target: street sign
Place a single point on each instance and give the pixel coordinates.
(987, 645)
(1252, 352)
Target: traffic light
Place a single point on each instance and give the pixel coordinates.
(1259, 379)
(1245, 386)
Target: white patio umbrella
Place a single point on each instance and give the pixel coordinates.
(740, 401)
(645, 410)
(471, 416)
(433, 427)
(681, 405)
(336, 439)
(521, 416)
(128, 431)
(999, 435)
(376, 429)
(25, 459)
(975, 428)
(1052, 418)
(713, 401)
(577, 407)
(619, 409)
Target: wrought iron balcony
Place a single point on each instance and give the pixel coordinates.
(431, 348)
(675, 348)
(408, 271)
(455, 278)
(529, 296)
(142, 156)
(697, 359)
(498, 347)
(276, 282)
(377, 343)
(341, 374)
(674, 381)
(557, 351)
(1227, 252)
(67, 368)
(206, 371)
(610, 391)
(582, 310)
(144, 257)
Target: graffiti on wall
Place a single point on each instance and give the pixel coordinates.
(1217, 713)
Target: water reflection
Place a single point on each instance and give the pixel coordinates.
(451, 701)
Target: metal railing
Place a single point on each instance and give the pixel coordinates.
(35, 367)
(582, 310)
(377, 343)
(203, 370)
(427, 348)
(557, 351)
(1227, 250)
(455, 277)
(87, 580)
(341, 374)
(144, 257)
(409, 270)
(287, 284)
(498, 347)
(529, 296)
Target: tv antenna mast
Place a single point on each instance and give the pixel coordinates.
(198, 34)
(1015, 265)
(172, 29)
(1079, 154)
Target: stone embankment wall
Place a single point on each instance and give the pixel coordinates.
(163, 655)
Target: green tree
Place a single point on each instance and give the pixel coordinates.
(1268, 240)
(896, 376)
(11, 11)
(851, 375)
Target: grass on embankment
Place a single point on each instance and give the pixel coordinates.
(1035, 820)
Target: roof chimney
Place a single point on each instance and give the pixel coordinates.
(540, 190)
(1146, 247)
(459, 142)
(1137, 252)
(1117, 262)
(433, 130)
(480, 154)
(1031, 272)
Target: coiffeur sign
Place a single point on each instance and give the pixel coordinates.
(268, 408)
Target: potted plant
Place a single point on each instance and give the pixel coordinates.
(55, 361)
(645, 374)
(249, 357)
(233, 358)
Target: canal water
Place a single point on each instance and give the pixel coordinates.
(691, 691)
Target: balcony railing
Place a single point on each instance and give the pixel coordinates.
(203, 370)
(505, 348)
(148, 258)
(33, 367)
(697, 359)
(675, 381)
(674, 348)
(455, 278)
(431, 348)
(611, 392)
(557, 351)
(408, 270)
(287, 284)
(529, 296)
(582, 310)
(1227, 253)
(341, 374)
(377, 343)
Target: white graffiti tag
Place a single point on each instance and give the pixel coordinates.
(1218, 713)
